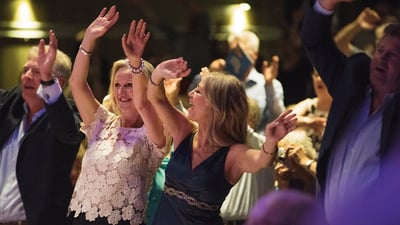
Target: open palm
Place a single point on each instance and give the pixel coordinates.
(172, 68)
(105, 20)
(45, 58)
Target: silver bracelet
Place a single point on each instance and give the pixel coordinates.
(84, 51)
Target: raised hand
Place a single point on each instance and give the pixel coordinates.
(204, 71)
(134, 43)
(270, 71)
(281, 126)
(45, 58)
(100, 26)
(169, 69)
(368, 19)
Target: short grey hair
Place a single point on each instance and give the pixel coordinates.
(62, 65)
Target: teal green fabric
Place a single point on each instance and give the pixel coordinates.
(155, 192)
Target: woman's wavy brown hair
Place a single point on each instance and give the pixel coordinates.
(228, 100)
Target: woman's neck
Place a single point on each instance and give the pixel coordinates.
(202, 143)
(132, 121)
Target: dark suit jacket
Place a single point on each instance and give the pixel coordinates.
(45, 157)
(347, 80)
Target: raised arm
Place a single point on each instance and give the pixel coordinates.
(273, 88)
(47, 58)
(274, 132)
(367, 20)
(65, 130)
(133, 45)
(244, 159)
(320, 47)
(83, 96)
(176, 123)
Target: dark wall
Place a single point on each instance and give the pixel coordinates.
(195, 29)
(190, 28)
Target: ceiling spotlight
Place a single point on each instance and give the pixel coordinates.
(244, 6)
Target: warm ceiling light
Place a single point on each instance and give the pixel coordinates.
(25, 34)
(239, 18)
(24, 17)
(23, 24)
(244, 6)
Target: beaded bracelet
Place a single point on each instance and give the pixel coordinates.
(136, 70)
(84, 51)
(268, 153)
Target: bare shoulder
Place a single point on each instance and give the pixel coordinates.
(234, 152)
(238, 149)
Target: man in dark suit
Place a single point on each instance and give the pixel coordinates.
(363, 128)
(39, 139)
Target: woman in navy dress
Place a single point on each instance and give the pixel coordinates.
(210, 152)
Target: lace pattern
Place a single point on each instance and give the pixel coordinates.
(117, 170)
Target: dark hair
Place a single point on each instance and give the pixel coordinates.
(392, 29)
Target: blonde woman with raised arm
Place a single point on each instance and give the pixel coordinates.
(124, 149)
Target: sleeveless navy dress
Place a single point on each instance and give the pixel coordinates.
(193, 196)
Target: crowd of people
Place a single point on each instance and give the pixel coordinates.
(234, 154)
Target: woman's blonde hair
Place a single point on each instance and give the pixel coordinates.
(230, 108)
(109, 101)
(299, 137)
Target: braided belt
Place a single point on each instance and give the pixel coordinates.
(190, 200)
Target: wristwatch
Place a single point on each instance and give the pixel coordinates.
(47, 82)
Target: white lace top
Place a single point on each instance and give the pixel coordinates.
(117, 170)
